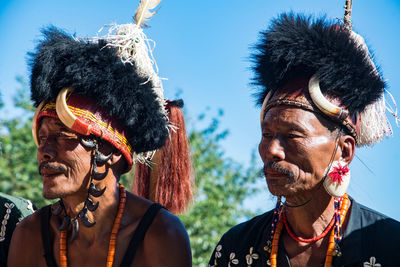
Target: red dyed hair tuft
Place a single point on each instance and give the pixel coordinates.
(170, 181)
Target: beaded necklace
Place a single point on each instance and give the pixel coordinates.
(113, 237)
(307, 240)
(341, 208)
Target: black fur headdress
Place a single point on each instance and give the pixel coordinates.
(95, 70)
(297, 45)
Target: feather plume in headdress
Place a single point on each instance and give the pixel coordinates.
(135, 48)
(144, 13)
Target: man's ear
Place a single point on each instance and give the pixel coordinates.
(115, 158)
(106, 149)
(347, 146)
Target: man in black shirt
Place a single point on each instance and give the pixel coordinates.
(12, 211)
(321, 97)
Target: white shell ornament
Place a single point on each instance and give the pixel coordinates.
(337, 178)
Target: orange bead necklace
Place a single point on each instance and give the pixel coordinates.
(113, 237)
(334, 238)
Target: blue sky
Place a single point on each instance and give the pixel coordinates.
(203, 49)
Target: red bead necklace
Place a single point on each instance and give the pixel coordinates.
(306, 240)
(333, 238)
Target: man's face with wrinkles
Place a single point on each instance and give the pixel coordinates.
(63, 162)
(296, 149)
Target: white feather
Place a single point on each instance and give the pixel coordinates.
(373, 124)
(135, 48)
(144, 13)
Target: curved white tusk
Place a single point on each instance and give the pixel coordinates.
(34, 123)
(322, 103)
(64, 113)
(266, 99)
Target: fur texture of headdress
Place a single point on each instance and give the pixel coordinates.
(95, 70)
(297, 45)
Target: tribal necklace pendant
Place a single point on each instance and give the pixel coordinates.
(88, 205)
(113, 237)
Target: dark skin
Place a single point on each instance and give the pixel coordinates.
(67, 176)
(296, 148)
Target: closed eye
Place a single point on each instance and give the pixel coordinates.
(266, 135)
(294, 134)
(67, 135)
(42, 138)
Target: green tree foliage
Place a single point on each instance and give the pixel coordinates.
(222, 186)
(19, 174)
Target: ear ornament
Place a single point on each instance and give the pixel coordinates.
(337, 179)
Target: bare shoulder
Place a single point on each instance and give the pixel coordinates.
(167, 225)
(27, 239)
(169, 238)
(166, 236)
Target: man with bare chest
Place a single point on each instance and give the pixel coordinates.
(321, 97)
(100, 109)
